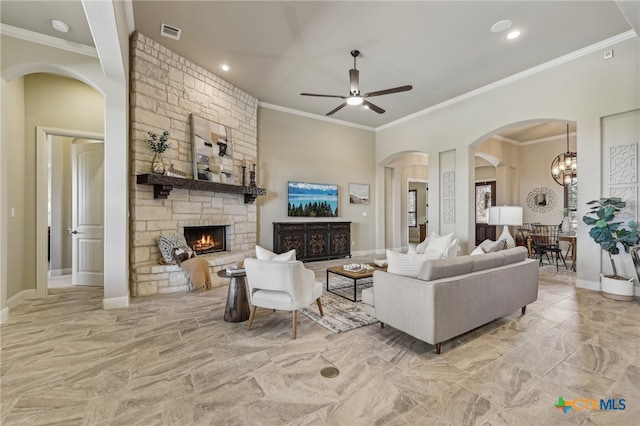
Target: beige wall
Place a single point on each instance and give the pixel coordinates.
(297, 148)
(535, 173)
(14, 149)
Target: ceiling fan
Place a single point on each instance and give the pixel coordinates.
(355, 98)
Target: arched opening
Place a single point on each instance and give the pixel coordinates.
(520, 156)
(114, 121)
(402, 172)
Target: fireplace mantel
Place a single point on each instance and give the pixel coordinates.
(162, 186)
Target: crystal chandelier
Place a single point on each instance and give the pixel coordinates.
(564, 167)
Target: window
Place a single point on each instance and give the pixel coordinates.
(412, 207)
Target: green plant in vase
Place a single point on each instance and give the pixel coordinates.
(158, 145)
(610, 233)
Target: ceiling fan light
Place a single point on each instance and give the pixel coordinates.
(355, 100)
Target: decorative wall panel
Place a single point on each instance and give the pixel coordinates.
(623, 164)
(449, 210)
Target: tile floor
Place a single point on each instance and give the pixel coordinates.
(172, 360)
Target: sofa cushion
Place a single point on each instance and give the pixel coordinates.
(406, 264)
(486, 261)
(445, 267)
(514, 255)
(264, 254)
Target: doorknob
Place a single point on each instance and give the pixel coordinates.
(72, 231)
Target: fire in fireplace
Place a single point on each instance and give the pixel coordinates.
(206, 239)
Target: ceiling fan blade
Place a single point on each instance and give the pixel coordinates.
(323, 96)
(338, 108)
(373, 107)
(388, 91)
(354, 77)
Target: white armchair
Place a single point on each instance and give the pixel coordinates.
(282, 285)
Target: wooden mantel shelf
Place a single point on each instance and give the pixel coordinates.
(162, 186)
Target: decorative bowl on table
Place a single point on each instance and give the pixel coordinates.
(381, 263)
(357, 267)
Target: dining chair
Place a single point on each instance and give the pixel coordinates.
(545, 242)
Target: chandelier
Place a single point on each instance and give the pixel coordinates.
(564, 167)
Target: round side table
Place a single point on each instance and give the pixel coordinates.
(237, 308)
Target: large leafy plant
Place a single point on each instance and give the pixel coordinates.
(608, 232)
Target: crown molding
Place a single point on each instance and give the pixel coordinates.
(47, 40)
(515, 77)
(562, 136)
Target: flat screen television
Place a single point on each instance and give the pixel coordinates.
(312, 199)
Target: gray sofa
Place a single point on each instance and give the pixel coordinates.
(451, 296)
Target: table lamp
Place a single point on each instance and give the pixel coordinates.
(507, 216)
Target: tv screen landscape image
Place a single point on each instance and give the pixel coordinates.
(312, 199)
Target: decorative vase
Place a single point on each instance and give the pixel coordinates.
(616, 288)
(157, 164)
(566, 225)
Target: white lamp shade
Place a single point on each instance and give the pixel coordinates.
(505, 215)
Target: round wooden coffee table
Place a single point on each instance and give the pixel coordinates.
(237, 308)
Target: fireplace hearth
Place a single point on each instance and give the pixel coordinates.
(206, 239)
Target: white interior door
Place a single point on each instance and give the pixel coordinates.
(88, 214)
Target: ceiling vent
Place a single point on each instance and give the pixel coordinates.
(169, 31)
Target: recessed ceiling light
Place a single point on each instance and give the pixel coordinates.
(500, 26)
(514, 35)
(225, 67)
(57, 25)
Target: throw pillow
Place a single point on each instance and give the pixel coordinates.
(420, 248)
(264, 254)
(166, 244)
(494, 246)
(405, 264)
(438, 244)
(481, 247)
(476, 251)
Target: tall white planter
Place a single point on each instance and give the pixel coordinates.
(616, 288)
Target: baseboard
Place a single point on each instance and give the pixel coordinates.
(60, 272)
(4, 315)
(18, 298)
(589, 285)
(115, 302)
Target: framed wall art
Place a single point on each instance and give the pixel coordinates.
(212, 151)
(358, 193)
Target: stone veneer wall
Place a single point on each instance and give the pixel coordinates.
(165, 90)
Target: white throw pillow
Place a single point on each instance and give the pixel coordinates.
(494, 246)
(264, 254)
(420, 248)
(405, 264)
(476, 251)
(438, 244)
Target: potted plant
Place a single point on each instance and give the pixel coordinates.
(158, 145)
(610, 234)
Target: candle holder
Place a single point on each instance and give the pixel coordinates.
(252, 177)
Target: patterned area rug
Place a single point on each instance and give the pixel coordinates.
(340, 314)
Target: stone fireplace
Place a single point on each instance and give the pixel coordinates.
(166, 89)
(206, 239)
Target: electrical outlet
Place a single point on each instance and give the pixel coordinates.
(353, 242)
(608, 54)
(13, 212)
